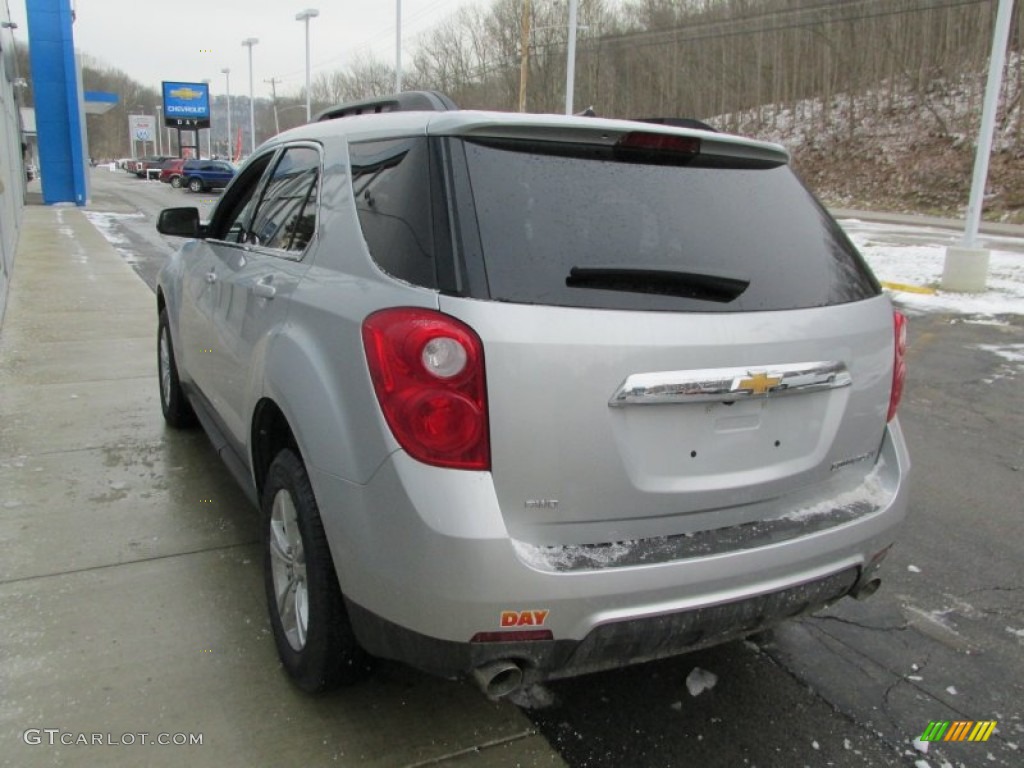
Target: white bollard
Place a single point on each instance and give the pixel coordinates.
(965, 270)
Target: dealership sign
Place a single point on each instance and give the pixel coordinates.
(186, 105)
(142, 127)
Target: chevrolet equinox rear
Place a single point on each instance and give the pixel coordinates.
(527, 396)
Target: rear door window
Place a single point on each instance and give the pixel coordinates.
(571, 226)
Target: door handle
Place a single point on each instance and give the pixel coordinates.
(211, 277)
(264, 290)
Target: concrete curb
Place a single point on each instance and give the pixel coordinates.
(921, 220)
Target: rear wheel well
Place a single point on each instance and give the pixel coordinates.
(271, 434)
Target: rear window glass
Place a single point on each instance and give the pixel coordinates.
(565, 227)
(391, 183)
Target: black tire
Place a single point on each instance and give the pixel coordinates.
(176, 408)
(323, 654)
(196, 185)
(176, 182)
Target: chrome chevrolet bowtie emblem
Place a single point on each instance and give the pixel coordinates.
(756, 383)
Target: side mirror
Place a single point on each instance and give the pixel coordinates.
(180, 222)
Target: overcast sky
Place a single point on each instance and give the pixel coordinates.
(189, 40)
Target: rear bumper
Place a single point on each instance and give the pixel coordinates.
(607, 646)
(424, 578)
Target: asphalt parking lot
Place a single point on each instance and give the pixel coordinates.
(131, 600)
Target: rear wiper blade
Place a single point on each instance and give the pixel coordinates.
(687, 285)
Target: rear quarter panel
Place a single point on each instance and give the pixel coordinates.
(316, 368)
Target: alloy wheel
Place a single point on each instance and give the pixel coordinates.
(288, 569)
(164, 360)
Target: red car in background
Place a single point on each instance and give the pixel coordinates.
(145, 164)
(170, 171)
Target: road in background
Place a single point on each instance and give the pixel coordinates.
(856, 684)
(125, 208)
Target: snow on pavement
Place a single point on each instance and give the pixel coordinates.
(914, 255)
(700, 680)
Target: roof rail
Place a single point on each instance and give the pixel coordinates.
(678, 122)
(407, 101)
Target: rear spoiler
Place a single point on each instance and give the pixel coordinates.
(678, 122)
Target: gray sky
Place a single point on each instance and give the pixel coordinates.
(190, 40)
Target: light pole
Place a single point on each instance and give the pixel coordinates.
(570, 64)
(227, 89)
(306, 15)
(159, 148)
(249, 42)
(398, 46)
(966, 266)
(209, 131)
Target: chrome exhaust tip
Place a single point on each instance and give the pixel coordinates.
(498, 678)
(865, 590)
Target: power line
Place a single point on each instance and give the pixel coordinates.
(838, 12)
(686, 38)
(630, 39)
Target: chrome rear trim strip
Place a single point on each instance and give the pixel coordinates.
(728, 384)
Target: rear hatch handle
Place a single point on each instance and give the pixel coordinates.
(729, 384)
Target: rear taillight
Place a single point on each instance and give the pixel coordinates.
(428, 373)
(899, 363)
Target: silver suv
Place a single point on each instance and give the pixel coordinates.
(528, 396)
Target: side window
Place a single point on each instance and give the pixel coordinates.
(391, 183)
(235, 208)
(286, 216)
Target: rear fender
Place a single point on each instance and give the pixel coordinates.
(329, 405)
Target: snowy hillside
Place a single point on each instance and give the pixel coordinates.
(891, 149)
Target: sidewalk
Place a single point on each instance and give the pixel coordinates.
(131, 599)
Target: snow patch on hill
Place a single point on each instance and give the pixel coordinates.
(897, 148)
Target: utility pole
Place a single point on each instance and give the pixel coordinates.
(524, 60)
(273, 95)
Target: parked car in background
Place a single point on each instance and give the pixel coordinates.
(530, 396)
(171, 170)
(201, 175)
(151, 162)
